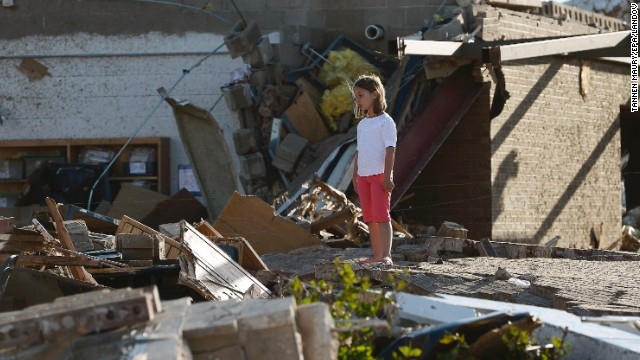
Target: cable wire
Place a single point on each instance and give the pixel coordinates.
(185, 72)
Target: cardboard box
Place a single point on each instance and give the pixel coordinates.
(306, 119)
(139, 168)
(134, 201)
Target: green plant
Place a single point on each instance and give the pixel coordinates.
(353, 301)
(521, 346)
(457, 348)
(518, 346)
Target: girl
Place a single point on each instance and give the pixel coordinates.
(373, 171)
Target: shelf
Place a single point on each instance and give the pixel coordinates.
(76, 151)
(132, 178)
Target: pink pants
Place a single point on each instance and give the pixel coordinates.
(374, 201)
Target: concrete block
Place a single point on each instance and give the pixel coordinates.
(289, 152)
(253, 166)
(172, 230)
(260, 55)
(237, 96)
(279, 343)
(235, 352)
(451, 229)
(245, 141)
(445, 31)
(300, 35)
(135, 246)
(242, 38)
(289, 55)
(79, 234)
(211, 326)
(318, 332)
(267, 329)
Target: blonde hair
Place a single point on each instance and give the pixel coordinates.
(373, 84)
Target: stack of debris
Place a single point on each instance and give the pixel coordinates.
(131, 322)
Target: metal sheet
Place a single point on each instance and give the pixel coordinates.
(208, 154)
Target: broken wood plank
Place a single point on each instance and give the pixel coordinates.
(253, 219)
(330, 220)
(95, 222)
(128, 225)
(249, 258)
(12, 243)
(39, 260)
(207, 229)
(211, 272)
(78, 272)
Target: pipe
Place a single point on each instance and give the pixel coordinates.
(374, 32)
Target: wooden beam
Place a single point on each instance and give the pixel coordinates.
(330, 220)
(39, 260)
(434, 48)
(498, 54)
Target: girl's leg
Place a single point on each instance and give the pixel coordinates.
(376, 244)
(386, 236)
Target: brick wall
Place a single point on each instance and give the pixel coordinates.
(556, 153)
(129, 17)
(556, 145)
(504, 24)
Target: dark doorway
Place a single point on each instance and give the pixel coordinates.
(630, 147)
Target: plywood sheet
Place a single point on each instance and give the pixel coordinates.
(251, 218)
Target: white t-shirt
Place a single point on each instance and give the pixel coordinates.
(374, 135)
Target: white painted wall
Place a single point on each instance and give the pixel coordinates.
(107, 86)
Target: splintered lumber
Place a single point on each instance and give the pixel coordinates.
(249, 258)
(210, 271)
(12, 243)
(95, 222)
(128, 225)
(331, 220)
(70, 317)
(78, 272)
(6, 225)
(253, 219)
(38, 260)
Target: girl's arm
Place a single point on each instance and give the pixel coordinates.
(355, 172)
(389, 159)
